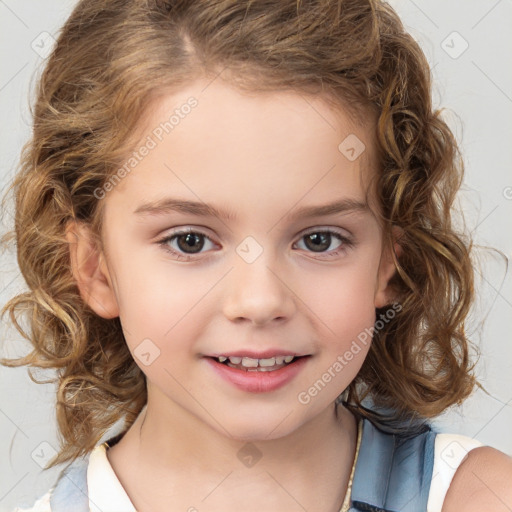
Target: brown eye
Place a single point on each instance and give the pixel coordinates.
(318, 242)
(190, 242)
(184, 244)
(321, 240)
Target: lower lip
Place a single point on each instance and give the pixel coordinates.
(258, 382)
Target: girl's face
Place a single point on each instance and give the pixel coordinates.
(282, 256)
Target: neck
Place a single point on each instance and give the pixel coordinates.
(193, 459)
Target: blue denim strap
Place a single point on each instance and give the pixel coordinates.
(70, 492)
(393, 474)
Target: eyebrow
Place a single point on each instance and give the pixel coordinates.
(168, 205)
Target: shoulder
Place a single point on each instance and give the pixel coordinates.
(483, 481)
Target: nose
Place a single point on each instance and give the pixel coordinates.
(257, 293)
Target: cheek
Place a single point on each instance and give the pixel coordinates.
(343, 299)
(159, 324)
(161, 302)
(344, 317)
(344, 332)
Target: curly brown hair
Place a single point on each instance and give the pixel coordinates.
(112, 58)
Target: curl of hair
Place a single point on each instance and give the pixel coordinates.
(112, 59)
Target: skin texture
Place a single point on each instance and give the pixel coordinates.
(483, 481)
(261, 157)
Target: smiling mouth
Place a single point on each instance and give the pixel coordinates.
(249, 364)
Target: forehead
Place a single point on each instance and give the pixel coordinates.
(213, 138)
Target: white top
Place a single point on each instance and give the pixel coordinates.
(106, 494)
(449, 452)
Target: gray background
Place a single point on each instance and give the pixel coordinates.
(474, 85)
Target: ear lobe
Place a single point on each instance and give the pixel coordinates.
(384, 293)
(90, 271)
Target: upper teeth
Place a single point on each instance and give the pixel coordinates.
(249, 362)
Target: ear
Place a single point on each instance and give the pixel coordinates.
(384, 293)
(90, 270)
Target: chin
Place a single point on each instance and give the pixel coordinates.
(258, 424)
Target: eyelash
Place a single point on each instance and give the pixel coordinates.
(347, 243)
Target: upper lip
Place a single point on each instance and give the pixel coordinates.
(266, 354)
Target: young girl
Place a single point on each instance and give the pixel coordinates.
(234, 221)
